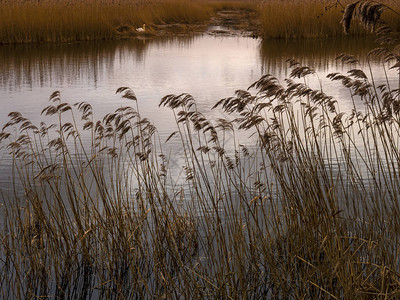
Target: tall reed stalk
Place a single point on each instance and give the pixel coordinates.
(310, 210)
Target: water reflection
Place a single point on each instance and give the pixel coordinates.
(317, 53)
(66, 65)
(30, 66)
(208, 67)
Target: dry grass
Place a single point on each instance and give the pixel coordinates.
(311, 19)
(63, 21)
(310, 210)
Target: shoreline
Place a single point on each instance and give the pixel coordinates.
(62, 22)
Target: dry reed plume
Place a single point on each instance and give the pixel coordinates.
(311, 210)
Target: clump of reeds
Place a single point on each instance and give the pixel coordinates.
(309, 209)
(64, 21)
(311, 19)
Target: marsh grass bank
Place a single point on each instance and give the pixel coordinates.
(313, 19)
(66, 21)
(310, 210)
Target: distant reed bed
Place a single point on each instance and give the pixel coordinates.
(311, 18)
(75, 20)
(63, 21)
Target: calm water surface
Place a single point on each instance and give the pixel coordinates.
(208, 67)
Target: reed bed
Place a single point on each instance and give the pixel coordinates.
(309, 210)
(312, 19)
(75, 20)
(65, 21)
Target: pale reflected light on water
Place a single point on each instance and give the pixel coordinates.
(208, 67)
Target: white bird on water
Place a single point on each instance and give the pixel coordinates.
(141, 29)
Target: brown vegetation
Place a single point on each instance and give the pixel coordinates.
(310, 211)
(75, 20)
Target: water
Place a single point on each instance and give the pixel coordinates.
(207, 67)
